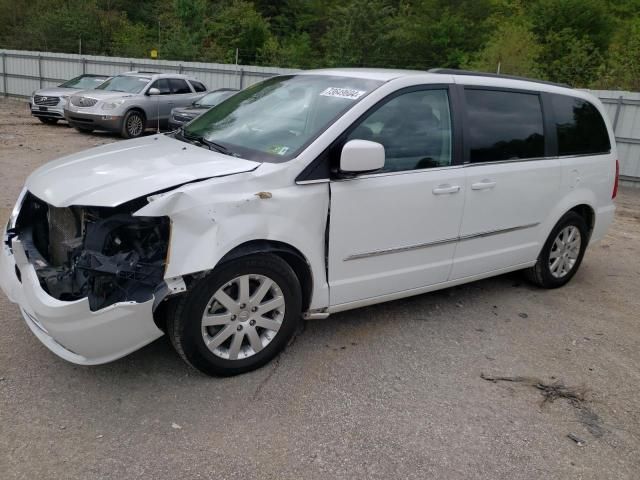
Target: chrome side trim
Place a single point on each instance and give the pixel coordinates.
(497, 232)
(387, 251)
(445, 241)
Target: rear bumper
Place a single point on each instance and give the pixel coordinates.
(70, 329)
(604, 218)
(111, 123)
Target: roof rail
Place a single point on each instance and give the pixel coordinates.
(142, 71)
(453, 71)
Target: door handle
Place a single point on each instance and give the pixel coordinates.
(483, 185)
(445, 189)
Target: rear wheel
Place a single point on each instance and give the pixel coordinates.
(562, 253)
(133, 124)
(237, 318)
(48, 121)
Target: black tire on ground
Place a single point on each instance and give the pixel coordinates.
(541, 274)
(48, 121)
(84, 129)
(184, 321)
(133, 124)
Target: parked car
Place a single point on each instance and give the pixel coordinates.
(301, 196)
(47, 104)
(180, 116)
(132, 102)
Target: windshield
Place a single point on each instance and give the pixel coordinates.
(84, 82)
(214, 98)
(275, 119)
(125, 83)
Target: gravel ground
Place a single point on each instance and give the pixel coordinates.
(390, 391)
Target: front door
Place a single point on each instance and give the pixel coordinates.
(396, 230)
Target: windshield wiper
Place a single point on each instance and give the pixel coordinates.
(217, 147)
(200, 140)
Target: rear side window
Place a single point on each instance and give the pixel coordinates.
(504, 125)
(580, 127)
(198, 87)
(179, 86)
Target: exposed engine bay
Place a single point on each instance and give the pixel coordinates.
(105, 254)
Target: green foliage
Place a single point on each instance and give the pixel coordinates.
(513, 49)
(592, 43)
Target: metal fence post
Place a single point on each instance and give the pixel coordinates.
(40, 70)
(84, 65)
(617, 114)
(180, 68)
(4, 74)
(241, 77)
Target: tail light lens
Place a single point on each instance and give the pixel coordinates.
(615, 181)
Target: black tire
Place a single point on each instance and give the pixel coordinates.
(48, 121)
(133, 124)
(84, 129)
(541, 274)
(184, 322)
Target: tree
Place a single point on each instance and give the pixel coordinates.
(512, 48)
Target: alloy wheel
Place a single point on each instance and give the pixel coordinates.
(243, 317)
(565, 251)
(134, 125)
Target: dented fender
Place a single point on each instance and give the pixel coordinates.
(212, 217)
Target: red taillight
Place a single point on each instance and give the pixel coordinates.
(615, 182)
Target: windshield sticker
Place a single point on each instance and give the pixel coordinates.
(349, 93)
(278, 149)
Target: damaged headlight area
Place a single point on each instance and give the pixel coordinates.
(105, 254)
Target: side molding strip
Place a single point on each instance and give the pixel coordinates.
(445, 241)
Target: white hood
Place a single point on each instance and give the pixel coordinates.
(112, 174)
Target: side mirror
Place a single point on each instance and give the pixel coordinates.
(153, 91)
(360, 156)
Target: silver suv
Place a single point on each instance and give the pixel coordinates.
(132, 102)
(47, 104)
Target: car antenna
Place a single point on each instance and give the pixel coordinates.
(158, 114)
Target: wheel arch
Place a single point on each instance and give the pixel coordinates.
(588, 213)
(137, 109)
(296, 260)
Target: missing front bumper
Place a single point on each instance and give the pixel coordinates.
(70, 329)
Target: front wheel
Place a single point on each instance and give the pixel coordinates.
(133, 124)
(237, 318)
(562, 253)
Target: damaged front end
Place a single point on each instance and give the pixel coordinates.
(107, 255)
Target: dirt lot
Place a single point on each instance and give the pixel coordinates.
(391, 391)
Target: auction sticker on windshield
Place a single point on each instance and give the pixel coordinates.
(350, 93)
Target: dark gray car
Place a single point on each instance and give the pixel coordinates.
(180, 116)
(47, 104)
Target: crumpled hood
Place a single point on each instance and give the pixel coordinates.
(112, 174)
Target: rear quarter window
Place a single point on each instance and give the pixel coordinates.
(580, 128)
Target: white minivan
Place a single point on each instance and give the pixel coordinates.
(301, 196)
